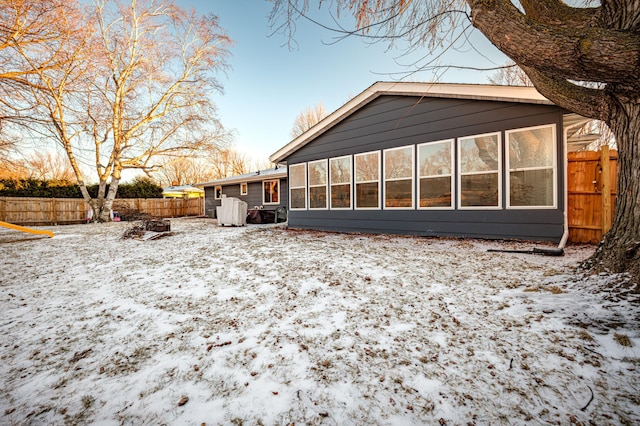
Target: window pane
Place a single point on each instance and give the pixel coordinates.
(398, 193)
(340, 170)
(367, 167)
(479, 154)
(271, 191)
(435, 192)
(298, 197)
(531, 148)
(340, 196)
(296, 175)
(318, 173)
(398, 163)
(367, 194)
(531, 188)
(479, 190)
(318, 197)
(434, 159)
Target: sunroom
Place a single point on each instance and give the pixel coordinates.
(434, 159)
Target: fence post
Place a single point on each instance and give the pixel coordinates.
(605, 162)
(54, 213)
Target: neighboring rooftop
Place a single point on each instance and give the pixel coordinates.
(180, 191)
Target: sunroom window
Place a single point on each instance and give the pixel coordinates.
(479, 158)
(531, 162)
(398, 177)
(318, 184)
(340, 177)
(298, 186)
(367, 178)
(435, 165)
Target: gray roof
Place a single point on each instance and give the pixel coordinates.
(260, 175)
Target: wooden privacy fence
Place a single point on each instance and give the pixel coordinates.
(60, 211)
(592, 183)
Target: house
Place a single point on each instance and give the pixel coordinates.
(182, 191)
(265, 189)
(432, 159)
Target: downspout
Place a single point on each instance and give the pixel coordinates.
(565, 188)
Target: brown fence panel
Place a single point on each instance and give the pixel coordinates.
(58, 211)
(160, 207)
(42, 211)
(592, 181)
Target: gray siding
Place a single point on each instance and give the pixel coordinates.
(394, 121)
(253, 197)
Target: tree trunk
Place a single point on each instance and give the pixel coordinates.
(107, 201)
(619, 250)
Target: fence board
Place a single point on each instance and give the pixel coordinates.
(58, 211)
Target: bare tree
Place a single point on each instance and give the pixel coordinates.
(228, 162)
(50, 167)
(136, 86)
(307, 119)
(557, 45)
(25, 26)
(186, 171)
(510, 75)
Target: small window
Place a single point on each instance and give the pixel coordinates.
(367, 179)
(244, 188)
(271, 191)
(298, 186)
(479, 159)
(340, 176)
(318, 184)
(435, 177)
(217, 192)
(531, 162)
(398, 178)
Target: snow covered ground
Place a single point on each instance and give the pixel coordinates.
(264, 325)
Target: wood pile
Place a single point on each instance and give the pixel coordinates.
(149, 229)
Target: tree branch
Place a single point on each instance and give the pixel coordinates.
(593, 54)
(591, 103)
(557, 13)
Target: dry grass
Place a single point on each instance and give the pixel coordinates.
(622, 340)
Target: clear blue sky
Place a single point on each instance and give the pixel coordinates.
(268, 84)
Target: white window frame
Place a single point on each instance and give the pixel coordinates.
(554, 167)
(244, 188)
(355, 182)
(499, 172)
(413, 176)
(278, 189)
(325, 185)
(291, 187)
(452, 173)
(350, 183)
(217, 192)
